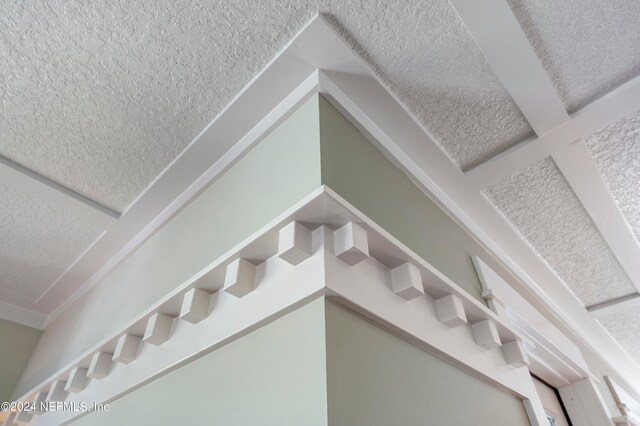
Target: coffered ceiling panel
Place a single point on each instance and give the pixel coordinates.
(428, 58)
(587, 47)
(102, 96)
(542, 207)
(616, 152)
(624, 326)
(37, 243)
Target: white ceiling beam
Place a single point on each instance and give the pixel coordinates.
(506, 48)
(55, 195)
(20, 315)
(576, 164)
(612, 107)
(616, 305)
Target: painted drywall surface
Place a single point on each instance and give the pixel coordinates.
(280, 171)
(358, 171)
(275, 375)
(374, 378)
(17, 343)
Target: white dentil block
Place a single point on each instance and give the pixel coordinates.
(77, 380)
(127, 349)
(451, 311)
(486, 335)
(158, 329)
(515, 354)
(406, 281)
(195, 306)
(57, 392)
(351, 244)
(40, 400)
(100, 366)
(294, 243)
(241, 278)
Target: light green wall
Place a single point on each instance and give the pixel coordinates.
(358, 171)
(280, 171)
(377, 379)
(319, 365)
(274, 376)
(17, 343)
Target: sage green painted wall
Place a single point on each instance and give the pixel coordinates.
(280, 171)
(319, 365)
(358, 171)
(374, 378)
(274, 376)
(17, 343)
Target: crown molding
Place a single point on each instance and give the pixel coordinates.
(321, 247)
(19, 315)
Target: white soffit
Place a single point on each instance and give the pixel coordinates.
(624, 326)
(588, 48)
(102, 98)
(616, 153)
(38, 243)
(542, 207)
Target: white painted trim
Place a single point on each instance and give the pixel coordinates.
(281, 286)
(554, 357)
(627, 404)
(506, 48)
(55, 195)
(22, 316)
(585, 404)
(616, 305)
(577, 165)
(608, 109)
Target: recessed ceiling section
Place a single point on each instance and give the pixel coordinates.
(38, 243)
(624, 327)
(588, 48)
(102, 98)
(541, 206)
(616, 152)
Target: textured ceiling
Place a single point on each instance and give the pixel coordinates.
(101, 96)
(544, 210)
(587, 47)
(37, 243)
(616, 152)
(624, 326)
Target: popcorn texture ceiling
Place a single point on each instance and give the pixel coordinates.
(616, 152)
(587, 47)
(542, 207)
(38, 243)
(624, 326)
(101, 96)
